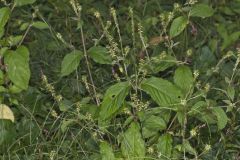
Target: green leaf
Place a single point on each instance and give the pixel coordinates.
(100, 55)
(4, 16)
(91, 109)
(164, 146)
(152, 125)
(178, 25)
(14, 89)
(18, 70)
(14, 40)
(181, 117)
(201, 111)
(205, 59)
(230, 39)
(183, 78)
(113, 100)
(65, 105)
(2, 89)
(188, 148)
(159, 63)
(66, 123)
(222, 118)
(155, 123)
(71, 62)
(222, 30)
(132, 145)
(40, 25)
(1, 77)
(106, 151)
(128, 121)
(162, 91)
(2, 30)
(24, 26)
(201, 10)
(23, 51)
(231, 92)
(23, 2)
(3, 51)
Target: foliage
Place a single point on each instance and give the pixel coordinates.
(148, 80)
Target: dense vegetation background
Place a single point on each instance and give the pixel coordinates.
(111, 79)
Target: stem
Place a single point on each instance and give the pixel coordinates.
(25, 34)
(184, 132)
(88, 68)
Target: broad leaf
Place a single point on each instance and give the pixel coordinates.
(188, 148)
(113, 100)
(65, 124)
(181, 117)
(1, 77)
(23, 2)
(162, 91)
(6, 112)
(155, 123)
(106, 151)
(164, 146)
(90, 109)
(183, 78)
(231, 39)
(14, 89)
(231, 92)
(2, 89)
(65, 105)
(222, 30)
(201, 10)
(178, 25)
(132, 145)
(201, 111)
(18, 70)
(205, 59)
(40, 25)
(152, 125)
(159, 64)
(100, 55)
(13, 40)
(71, 62)
(4, 16)
(222, 118)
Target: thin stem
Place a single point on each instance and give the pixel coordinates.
(88, 67)
(25, 34)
